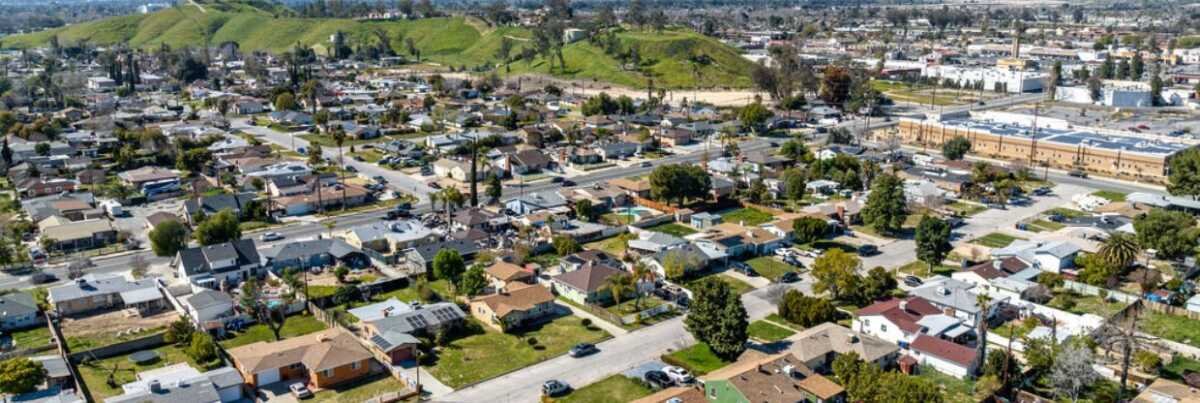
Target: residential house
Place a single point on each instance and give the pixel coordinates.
(603, 196)
(944, 356)
(526, 162)
(209, 310)
(585, 258)
(774, 378)
(94, 292)
(588, 285)
(219, 266)
(313, 253)
(650, 242)
(818, 346)
(692, 257)
(324, 198)
(954, 297)
(325, 358)
(635, 187)
(391, 327)
(1051, 256)
(1164, 390)
(290, 119)
(459, 170)
(389, 237)
(736, 240)
(529, 203)
(140, 177)
(43, 186)
(514, 307)
(894, 320)
(476, 219)
(210, 205)
(19, 311)
(705, 219)
(501, 274)
(182, 383)
(420, 258)
(617, 150)
(674, 137)
(66, 235)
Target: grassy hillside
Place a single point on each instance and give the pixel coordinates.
(455, 41)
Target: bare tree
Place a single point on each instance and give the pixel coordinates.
(775, 293)
(1072, 373)
(139, 266)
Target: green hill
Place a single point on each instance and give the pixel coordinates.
(454, 40)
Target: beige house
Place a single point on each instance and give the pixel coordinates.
(519, 305)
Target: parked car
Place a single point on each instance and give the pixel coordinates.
(351, 168)
(435, 185)
(789, 277)
(555, 387)
(379, 179)
(1078, 173)
(300, 391)
(42, 277)
(583, 350)
(270, 236)
(679, 375)
(1042, 191)
(556, 179)
(646, 164)
(868, 250)
(658, 379)
(913, 281)
(568, 182)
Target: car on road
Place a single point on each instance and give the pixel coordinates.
(270, 236)
(302, 150)
(657, 379)
(583, 350)
(359, 158)
(568, 182)
(379, 179)
(555, 387)
(1078, 173)
(646, 164)
(435, 185)
(300, 391)
(351, 168)
(913, 281)
(42, 277)
(789, 277)
(868, 250)
(556, 179)
(397, 214)
(677, 374)
(1042, 191)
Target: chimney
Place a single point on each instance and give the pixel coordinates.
(996, 264)
(904, 305)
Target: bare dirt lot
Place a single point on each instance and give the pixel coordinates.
(113, 327)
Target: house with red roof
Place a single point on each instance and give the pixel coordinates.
(944, 356)
(895, 320)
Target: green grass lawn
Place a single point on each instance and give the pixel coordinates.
(738, 286)
(33, 337)
(762, 330)
(1171, 327)
(408, 294)
(954, 390)
(1179, 366)
(779, 320)
(1110, 195)
(1044, 226)
(698, 359)
(747, 216)
(321, 291)
(95, 374)
(361, 390)
(995, 240)
(966, 209)
(631, 305)
(769, 267)
(1081, 304)
(296, 325)
(617, 219)
(614, 389)
(673, 228)
(615, 246)
(1067, 212)
(921, 269)
(326, 141)
(368, 155)
(484, 356)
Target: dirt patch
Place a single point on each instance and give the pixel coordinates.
(328, 278)
(116, 322)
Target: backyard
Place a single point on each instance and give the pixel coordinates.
(614, 389)
(995, 240)
(698, 359)
(490, 354)
(954, 390)
(1080, 304)
(33, 337)
(95, 373)
(295, 325)
(615, 246)
(747, 216)
(672, 228)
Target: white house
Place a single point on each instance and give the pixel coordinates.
(943, 356)
(1052, 256)
(894, 320)
(212, 265)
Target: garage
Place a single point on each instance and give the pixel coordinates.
(267, 377)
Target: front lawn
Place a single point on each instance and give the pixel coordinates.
(995, 240)
(361, 390)
(779, 320)
(1112, 196)
(673, 228)
(921, 269)
(614, 389)
(96, 373)
(738, 286)
(966, 209)
(490, 354)
(631, 305)
(766, 331)
(1043, 226)
(769, 267)
(698, 359)
(747, 216)
(295, 325)
(615, 246)
(1067, 212)
(326, 141)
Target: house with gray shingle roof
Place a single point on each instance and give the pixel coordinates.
(95, 292)
(18, 310)
(313, 253)
(207, 267)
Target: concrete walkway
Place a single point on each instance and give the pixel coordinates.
(609, 327)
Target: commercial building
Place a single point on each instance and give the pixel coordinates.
(993, 78)
(1052, 142)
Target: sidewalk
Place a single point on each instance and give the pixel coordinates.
(609, 327)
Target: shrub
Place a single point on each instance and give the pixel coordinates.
(586, 322)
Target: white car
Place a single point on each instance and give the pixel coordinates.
(300, 391)
(270, 236)
(677, 374)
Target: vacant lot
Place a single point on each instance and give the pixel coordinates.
(738, 286)
(489, 354)
(615, 246)
(112, 327)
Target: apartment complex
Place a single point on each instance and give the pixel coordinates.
(1052, 142)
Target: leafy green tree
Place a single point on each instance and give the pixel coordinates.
(494, 190)
(341, 272)
(21, 375)
(619, 286)
(1003, 366)
(179, 332)
(834, 272)
(679, 182)
(796, 151)
(285, 102)
(1171, 233)
(807, 229)
(933, 241)
(1184, 178)
(718, 318)
(346, 294)
(473, 282)
(804, 310)
(584, 210)
(202, 348)
(956, 148)
(565, 245)
(795, 183)
(878, 283)
(168, 238)
(220, 228)
(1095, 270)
(754, 116)
(448, 265)
(886, 207)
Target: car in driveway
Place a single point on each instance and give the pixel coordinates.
(270, 236)
(555, 387)
(583, 350)
(913, 281)
(789, 277)
(300, 391)
(677, 374)
(658, 379)
(868, 250)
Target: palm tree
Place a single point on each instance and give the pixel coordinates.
(339, 138)
(451, 198)
(984, 303)
(310, 90)
(618, 285)
(641, 272)
(1120, 250)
